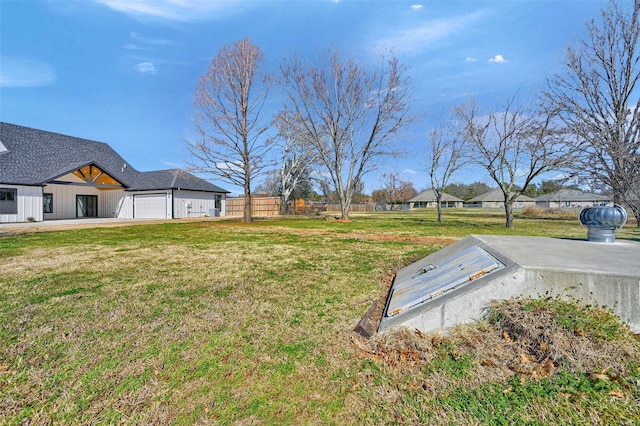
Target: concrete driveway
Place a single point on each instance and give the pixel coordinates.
(63, 224)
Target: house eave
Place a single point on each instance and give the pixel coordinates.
(22, 184)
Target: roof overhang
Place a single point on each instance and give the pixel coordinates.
(90, 173)
(134, 189)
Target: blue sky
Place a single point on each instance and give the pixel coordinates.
(125, 72)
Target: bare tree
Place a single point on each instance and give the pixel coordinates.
(297, 154)
(514, 145)
(598, 99)
(350, 115)
(446, 156)
(229, 102)
(393, 190)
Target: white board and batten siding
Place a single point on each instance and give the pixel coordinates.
(168, 204)
(64, 200)
(29, 204)
(163, 204)
(188, 204)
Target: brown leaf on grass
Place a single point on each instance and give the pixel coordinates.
(526, 358)
(436, 340)
(617, 394)
(546, 368)
(506, 336)
(487, 362)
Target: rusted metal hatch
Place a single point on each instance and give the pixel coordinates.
(434, 280)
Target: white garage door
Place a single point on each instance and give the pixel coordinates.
(150, 206)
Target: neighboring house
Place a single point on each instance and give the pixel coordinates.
(571, 198)
(494, 199)
(46, 175)
(428, 199)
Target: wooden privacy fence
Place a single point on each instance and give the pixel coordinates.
(261, 206)
(355, 208)
(270, 206)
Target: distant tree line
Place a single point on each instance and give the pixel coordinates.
(467, 191)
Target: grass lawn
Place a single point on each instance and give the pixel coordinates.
(215, 322)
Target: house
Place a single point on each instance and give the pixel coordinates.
(428, 199)
(494, 199)
(46, 175)
(571, 198)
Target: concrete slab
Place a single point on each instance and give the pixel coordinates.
(597, 273)
(621, 257)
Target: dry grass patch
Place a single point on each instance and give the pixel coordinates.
(536, 361)
(220, 323)
(184, 324)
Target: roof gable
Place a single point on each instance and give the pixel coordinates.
(430, 195)
(36, 157)
(572, 195)
(495, 195)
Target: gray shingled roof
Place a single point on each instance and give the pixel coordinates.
(429, 195)
(572, 195)
(35, 157)
(173, 179)
(495, 195)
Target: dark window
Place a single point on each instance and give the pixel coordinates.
(47, 202)
(8, 201)
(218, 201)
(86, 206)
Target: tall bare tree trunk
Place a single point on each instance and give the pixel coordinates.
(229, 119)
(283, 206)
(349, 113)
(247, 216)
(508, 210)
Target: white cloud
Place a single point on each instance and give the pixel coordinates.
(176, 10)
(498, 59)
(410, 172)
(470, 59)
(18, 72)
(416, 6)
(413, 40)
(152, 41)
(130, 46)
(146, 68)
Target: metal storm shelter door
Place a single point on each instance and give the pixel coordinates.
(432, 281)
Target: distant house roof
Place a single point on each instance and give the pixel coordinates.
(35, 157)
(430, 196)
(495, 195)
(572, 195)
